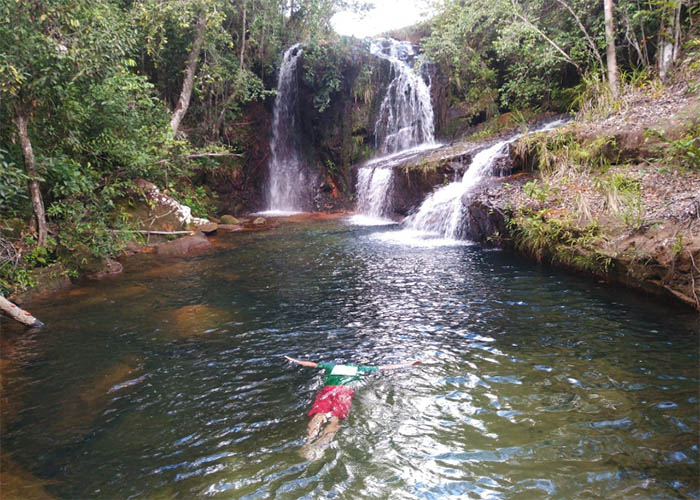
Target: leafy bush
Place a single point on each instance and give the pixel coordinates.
(13, 186)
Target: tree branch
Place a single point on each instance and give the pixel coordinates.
(201, 155)
(591, 44)
(549, 40)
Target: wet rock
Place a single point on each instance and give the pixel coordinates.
(15, 482)
(259, 221)
(183, 246)
(190, 321)
(110, 268)
(208, 228)
(84, 402)
(229, 228)
(230, 220)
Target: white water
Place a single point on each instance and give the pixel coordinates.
(404, 126)
(374, 190)
(441, 214)
(406, 113)
(289, 183)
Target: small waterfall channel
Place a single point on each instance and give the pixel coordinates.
(441, 213)
(404, 124)
(288, 185)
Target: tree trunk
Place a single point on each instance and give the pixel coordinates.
(184, 101)
(610, 39)
(22, 121)
(18, 314)
(669, 39)
(243, 38)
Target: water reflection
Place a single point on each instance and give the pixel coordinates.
(534, 384)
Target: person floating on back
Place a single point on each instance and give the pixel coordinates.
(333, 401)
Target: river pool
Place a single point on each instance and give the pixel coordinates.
(168, 381)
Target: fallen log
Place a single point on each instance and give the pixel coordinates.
(19, 314)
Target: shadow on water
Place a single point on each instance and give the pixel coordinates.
(169, 382)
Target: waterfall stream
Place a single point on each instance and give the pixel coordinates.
(404, 124)
(441, 213)
(406, 113)
(288, 185)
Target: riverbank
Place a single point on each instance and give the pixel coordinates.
(616, 197)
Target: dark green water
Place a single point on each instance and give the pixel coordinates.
(168, 381)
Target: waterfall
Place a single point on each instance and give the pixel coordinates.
(288, 184)
(442, 212)
(406, 113)
(404, 124)
(374, 193)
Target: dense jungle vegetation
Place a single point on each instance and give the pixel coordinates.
(97, 93)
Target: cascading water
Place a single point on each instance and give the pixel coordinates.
(374, 193)
(405, 123)
(441, 213)
(288, 186)
(406, 113)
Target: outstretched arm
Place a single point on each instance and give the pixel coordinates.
(399, 365)
(310, 364)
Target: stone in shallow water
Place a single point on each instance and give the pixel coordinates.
(182, 246)
(208, 228)
(191, 321)
(83, 403)
(18, 483)
(230, 228)
(230, 220)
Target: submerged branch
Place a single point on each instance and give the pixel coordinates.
(19, 314)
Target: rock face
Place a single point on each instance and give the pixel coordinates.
(183, 245)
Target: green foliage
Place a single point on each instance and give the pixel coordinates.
(623, 198)
(558, 239)
(536, 191)
(364, 88)
(14, 278)
(682, 153)
(202, 202)
(552, 153)
(592, 97)
(677, 246)
(13, 186)
(322, 73)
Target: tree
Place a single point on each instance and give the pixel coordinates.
(188, 81)
(49, 48)
(610, 44)
(669, 36)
